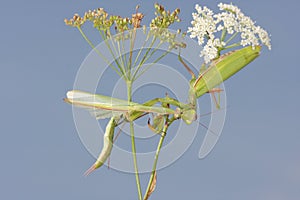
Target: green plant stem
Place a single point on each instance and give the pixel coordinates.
(144, 59)
(123, 52)
(232, 46)
(121, 68)
(141, 49)
(231, 38)
(150, 65)
(131, 47)
(98, 52)
(161, 140)
(122, 59)
(224, 33)
(136, 172)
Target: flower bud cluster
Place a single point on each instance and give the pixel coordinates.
(164, 18)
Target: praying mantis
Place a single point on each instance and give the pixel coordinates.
(104, 107)
(116, 109)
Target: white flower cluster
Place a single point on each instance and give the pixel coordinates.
(232, 21)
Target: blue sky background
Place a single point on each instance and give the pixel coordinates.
(42, 157)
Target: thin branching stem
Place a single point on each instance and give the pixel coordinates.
(224, 33)
(98, 52)
(232, 46)
(122, 61)
(120, 58)
(131, 48)
(121, 68)
(231, 38)
(141, 49)
(144, 57)
(123, 54)
(150, 65)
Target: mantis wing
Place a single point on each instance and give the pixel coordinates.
(104, 106)
(103, 114)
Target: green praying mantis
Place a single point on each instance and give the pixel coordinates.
(101, 107)
(116, 109)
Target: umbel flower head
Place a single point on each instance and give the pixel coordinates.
(230, 22)
(103, 21)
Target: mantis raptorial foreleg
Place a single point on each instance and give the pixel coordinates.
(157, 124)
(133, 115)
(203, 70)
(159, 120)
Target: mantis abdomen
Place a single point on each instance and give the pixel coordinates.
(107, 146)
